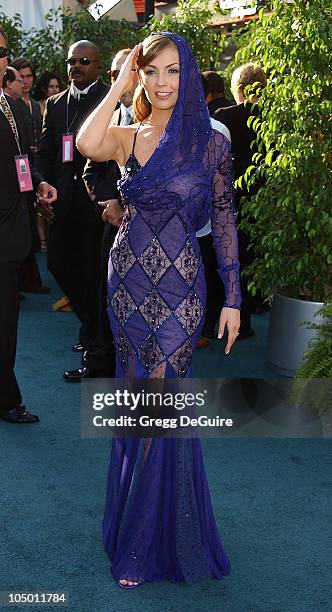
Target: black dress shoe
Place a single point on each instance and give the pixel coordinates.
(78, 375)
(18, 415)
(78, 348)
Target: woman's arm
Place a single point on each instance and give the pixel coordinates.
(224, 236)
(96, 139)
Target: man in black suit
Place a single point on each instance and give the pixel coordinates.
(30, 279)
(101, 182)
(31, 107)
(76, 228)
(15, 240)
(236, 119)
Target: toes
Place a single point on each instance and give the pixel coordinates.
(128, 582)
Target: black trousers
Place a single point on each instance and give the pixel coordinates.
(214, 286)
(101, 354)
(10, 395)
(215, 293)
(248, 302)
(74, 261)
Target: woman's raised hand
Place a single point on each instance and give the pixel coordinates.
(128, 68)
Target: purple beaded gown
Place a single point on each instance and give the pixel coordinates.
(159, 522)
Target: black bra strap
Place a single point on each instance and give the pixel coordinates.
(132, 151)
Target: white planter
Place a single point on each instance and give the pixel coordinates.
(289, 339)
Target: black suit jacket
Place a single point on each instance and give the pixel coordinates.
(66, 177)
(101, 178)
(220, 102)
(236, 118)
(32, 120)
(14, 216)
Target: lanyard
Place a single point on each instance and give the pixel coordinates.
(67, 116)
(11, 120)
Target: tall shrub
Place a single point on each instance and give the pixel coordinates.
(290, 218)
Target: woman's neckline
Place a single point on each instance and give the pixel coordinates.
(133, 154)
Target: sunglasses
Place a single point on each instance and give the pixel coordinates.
(84, 61)
(4, 52)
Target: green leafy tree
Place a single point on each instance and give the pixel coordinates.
(47, 47)
(292, 228)
(192, 21)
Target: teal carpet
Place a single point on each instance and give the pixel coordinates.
(270, 496)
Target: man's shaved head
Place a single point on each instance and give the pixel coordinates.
(87, 44)
(83, 74)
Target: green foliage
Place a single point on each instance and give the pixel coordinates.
(48, 46)
(292, 227)
(13, 28)
(192, 22)
(313, 381)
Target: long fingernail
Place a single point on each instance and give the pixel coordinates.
(226, 352)
(219, 336)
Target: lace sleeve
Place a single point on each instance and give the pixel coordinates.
(224, 232)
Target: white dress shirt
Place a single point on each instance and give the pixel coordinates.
(127, 114)
(77, 92)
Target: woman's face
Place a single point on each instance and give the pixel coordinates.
(53, 87)
(161, 79)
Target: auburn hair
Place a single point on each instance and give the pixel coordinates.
(152, 46)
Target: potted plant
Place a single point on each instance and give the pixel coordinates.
(313, 381)
(289, 220)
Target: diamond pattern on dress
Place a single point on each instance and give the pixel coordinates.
(154, 261)
(122, 304)
(154, 310)
(190, 312)
(150, 353)
(123, 349)
(180, 360)
(187, 263)
(122, 257)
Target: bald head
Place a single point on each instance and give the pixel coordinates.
(83, 63)
(87, 44)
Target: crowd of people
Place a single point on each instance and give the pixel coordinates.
(132, 187)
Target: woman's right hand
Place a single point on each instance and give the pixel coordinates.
(128, 70)
(113, 212)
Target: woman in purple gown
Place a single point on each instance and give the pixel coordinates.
(176, 173)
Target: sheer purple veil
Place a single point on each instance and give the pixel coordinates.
(189, 128)
(186, 136)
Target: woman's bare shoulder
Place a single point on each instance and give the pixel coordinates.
(124, 135)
